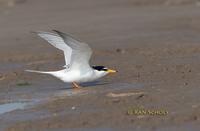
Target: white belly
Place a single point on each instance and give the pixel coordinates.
(75, 76)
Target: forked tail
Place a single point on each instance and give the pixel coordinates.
(43, 72)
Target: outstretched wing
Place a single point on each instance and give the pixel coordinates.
(81, 52)
(77, 54)
(59, 43)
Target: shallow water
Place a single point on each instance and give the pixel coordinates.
(16, 100)
(20, 102)
(8, 107)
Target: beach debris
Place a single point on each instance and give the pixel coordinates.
(15, 73)
(73, 107)
(55, 114)
(23, 84)
(124, 94)
(122, 51)
(2, 77)
(140, 96)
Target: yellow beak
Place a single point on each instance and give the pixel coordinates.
(111, 71)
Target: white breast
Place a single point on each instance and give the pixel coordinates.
(78, 76)
(73, 76)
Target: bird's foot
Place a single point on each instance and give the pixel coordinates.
(75, 85)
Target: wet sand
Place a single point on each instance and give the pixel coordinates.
(154, 46)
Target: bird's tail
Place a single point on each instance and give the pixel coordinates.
(42, 72)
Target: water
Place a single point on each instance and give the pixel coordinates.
(8, 107)
(20, 104)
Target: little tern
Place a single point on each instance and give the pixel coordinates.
(77, 56)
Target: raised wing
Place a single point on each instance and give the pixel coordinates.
(59, 43)
(81, 52)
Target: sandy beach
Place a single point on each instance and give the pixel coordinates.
(154, 45)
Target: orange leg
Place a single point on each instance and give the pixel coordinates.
(75, 85)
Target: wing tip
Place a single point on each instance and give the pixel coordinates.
(39, 33)
(55, 30)
(59, 33)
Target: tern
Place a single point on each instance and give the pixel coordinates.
(77, 56)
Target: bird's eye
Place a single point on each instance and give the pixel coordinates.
(105, 69)
(99, 68)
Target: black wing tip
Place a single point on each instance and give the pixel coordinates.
(57, 31)
(37, 32)
(60, 33)
(66, 35)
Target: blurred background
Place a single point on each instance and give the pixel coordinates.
(153, 43)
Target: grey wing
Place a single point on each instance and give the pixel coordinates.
(81, 52)
(59, 43)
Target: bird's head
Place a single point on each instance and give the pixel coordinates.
(103, 70)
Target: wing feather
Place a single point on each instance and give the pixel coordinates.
(81, 52)
(59, 43)
(77, 54)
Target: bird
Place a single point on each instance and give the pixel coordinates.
(77, 56)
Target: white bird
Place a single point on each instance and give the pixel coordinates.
(77, 56)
